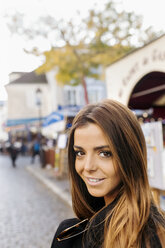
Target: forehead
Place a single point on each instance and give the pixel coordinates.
(90, 133)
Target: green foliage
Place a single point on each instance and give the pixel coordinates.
(80, 49)
(100, 39)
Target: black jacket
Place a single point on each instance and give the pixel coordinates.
(73, 242)
(91, 235)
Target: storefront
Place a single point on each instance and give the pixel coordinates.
(138, 81)
(55, 128)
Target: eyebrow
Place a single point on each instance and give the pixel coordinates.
(95, 148)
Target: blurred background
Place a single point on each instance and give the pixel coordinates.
(56, 57)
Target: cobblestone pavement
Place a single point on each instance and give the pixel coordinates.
(29, 211)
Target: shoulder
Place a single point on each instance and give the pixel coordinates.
(66, 224)
(62, 226)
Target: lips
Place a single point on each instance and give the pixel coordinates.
(94, 181)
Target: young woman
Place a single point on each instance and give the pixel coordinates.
(111, 195)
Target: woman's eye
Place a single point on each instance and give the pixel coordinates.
(105, 154)
(79, 153)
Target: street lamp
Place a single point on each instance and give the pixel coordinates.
(39, 104)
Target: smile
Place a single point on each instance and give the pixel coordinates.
(94, 181)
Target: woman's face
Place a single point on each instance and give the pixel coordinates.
(94, 162)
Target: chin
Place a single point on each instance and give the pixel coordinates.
(95, 194)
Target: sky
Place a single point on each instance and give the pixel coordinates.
(12, 56)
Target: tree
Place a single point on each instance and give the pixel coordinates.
(82, 49)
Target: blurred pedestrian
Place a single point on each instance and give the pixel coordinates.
(14, 149)
(23, 148)
(111, 195)
(43, 148)
(35, 149)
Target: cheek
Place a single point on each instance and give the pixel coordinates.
(118, 179)
(77, 167)
(113, 172)
(117, 175)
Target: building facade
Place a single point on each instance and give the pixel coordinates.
(3, 116)
(138, 79)
(24, 111)
(22, 103)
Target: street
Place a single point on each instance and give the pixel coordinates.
(29, 212)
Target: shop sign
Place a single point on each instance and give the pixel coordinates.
(154, 57)
(153, 134)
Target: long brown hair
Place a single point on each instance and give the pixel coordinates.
(127, 143)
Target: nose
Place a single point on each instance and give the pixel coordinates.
(90, 163)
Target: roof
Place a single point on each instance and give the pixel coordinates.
(135, 50)
(19, 73)
(30, 77)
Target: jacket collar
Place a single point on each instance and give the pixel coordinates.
(84, 225)
(73, 231)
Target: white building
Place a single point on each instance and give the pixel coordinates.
(3, 117)
(68, 100)
(22, 99)
(67, 95)
(23, 110)
(138, 79)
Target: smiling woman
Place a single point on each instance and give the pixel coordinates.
(110, 190)
(94, 162)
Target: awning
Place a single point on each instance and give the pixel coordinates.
(18, 122)
(53, 118)
(54, 123)
(60, 114)
(150, 93)
(69, 110)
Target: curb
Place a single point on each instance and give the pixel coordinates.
(58, 191)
